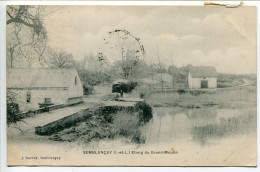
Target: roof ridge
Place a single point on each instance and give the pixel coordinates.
(40, 77)
(203, 71)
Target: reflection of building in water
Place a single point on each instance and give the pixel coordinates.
(203, 120)
(202, 116)
(227, 113)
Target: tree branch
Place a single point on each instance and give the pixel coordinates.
(9, 15)
(18, 20)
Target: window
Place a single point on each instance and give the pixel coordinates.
(76, 80)
(28, 96)
(47, 100)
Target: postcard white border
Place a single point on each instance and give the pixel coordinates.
(3, 145)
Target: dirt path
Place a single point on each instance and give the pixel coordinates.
(98, 94)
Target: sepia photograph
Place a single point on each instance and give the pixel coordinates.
(131, 85)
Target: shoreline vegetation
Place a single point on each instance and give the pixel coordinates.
(237, 97)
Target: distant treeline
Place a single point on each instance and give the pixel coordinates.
(180, 75)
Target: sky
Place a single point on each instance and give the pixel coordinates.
(210, 36)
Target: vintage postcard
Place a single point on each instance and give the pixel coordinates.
(131, 86)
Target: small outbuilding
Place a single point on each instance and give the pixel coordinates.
(202, 77)
(32, 87)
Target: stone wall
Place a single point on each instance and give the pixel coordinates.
(65, 122)
(47, 109)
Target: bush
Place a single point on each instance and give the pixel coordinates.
(223, 85)
(88, 89)
(13, 113)
(127, 124)
(181, 91)
(143, 91)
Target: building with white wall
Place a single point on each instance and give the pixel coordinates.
(31, 87)
(202, 77)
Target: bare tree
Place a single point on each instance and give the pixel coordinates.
(29, 16)
(160, 71)
(61, 59)
(129, 64)
(126, 47)
(26, 34)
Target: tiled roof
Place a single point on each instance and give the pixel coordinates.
(35, 78)
(203, 71)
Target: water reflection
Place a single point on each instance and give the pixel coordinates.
(203, 126)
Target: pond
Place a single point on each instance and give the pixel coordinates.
(198, 126)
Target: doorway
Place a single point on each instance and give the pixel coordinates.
(204, 84)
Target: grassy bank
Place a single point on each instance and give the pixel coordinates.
(124, 124)
(243, 123)
(224, 98)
